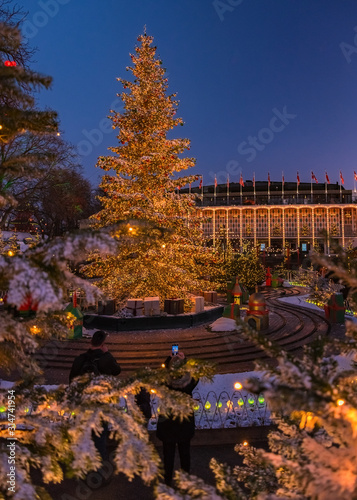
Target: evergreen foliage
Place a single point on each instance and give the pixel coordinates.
(313, 398)
(142, 184)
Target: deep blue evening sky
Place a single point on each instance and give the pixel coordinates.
(235, 64)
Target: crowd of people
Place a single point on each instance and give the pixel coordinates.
(97, 360)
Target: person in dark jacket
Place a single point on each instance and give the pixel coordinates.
(98, 350)
(172, 431)
(107, 365)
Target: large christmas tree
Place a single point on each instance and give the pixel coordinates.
(52, 427)
(143, 186)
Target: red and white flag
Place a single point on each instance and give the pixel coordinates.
(355, 175)
(298, 178)
(327, 178)
(341, 178)
(268, 179)
(241, 182)
(215, 181)
(254, 180)
(199, 187)
(313, 177)
(228, 181)
(283, 178)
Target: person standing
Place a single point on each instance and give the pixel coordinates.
(172, 431)
(97, 360)
(98, 355)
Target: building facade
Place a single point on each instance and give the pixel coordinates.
(279, 215)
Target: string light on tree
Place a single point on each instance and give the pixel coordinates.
(144, 187)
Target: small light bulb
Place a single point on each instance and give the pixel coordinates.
(130, 228)
(340, 402)
(152, 391)
(163, 365)
(238, 386)
(245, 443)
(58, 134)
(10, 253)
(163, 246)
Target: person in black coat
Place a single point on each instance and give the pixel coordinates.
(98, 351)
(172, 431)
(106, 365)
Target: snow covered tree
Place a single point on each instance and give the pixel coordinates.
(142, 184)
(53, 428)
(313, 397)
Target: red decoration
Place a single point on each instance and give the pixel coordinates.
(28, 304)
(10, 63)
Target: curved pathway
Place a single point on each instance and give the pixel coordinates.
(290, 326)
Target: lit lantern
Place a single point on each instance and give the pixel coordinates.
(237, 293)
(238, 386)
(207, 405)
(241, 402)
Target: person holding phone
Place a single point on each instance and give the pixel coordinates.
(170, 430)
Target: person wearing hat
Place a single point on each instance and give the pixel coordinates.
(98, 355)
(172, 431)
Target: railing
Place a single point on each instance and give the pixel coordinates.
(220, 410)
(212, 411)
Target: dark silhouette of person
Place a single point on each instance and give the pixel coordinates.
(172, 431)
(106, 365)
(98, 352)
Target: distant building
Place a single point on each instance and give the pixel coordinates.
(276, 214)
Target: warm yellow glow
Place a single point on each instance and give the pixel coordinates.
(152, 391)
(163, 365)
(58, 134)
(340, 402)
(10, 253)
(245, 443)
(163, 246)
(0, 127)
(34, 330)
(130, 228)
(238, 386)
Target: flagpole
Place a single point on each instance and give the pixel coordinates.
(282, 187)
(189, 188)
(340, 187)
(297, 187)
(268, 187)
(202, 188)
(241, 195)
(326, 186)
(254, 187)
(312, 196)
(215, 189)
(228, 190)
